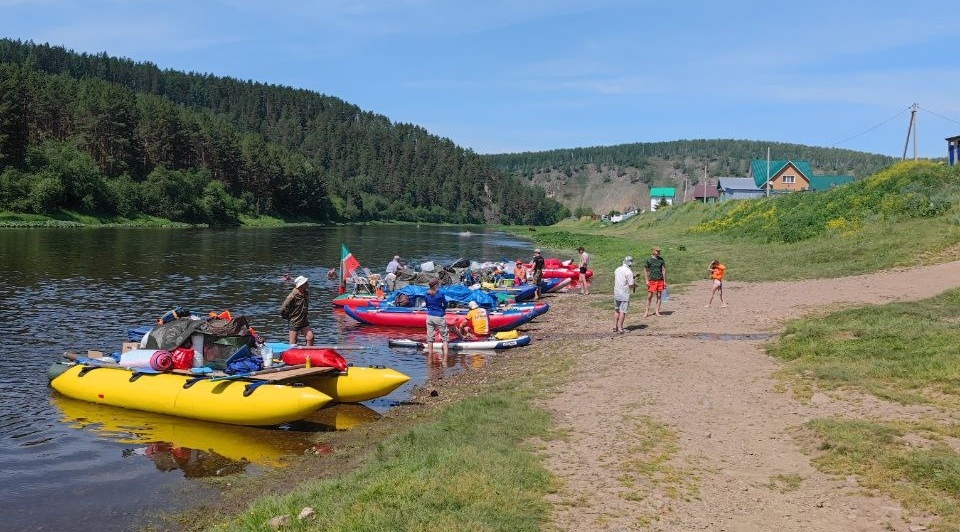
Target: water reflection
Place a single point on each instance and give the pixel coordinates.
(200, 448)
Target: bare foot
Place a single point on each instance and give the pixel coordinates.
(706, 306)
(723, 305)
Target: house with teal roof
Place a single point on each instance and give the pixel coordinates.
(661, 194)
(791, 176)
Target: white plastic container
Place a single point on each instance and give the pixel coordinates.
(427, 266)
(267, 353)
(196, 340)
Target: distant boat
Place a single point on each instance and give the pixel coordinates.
(465, 233)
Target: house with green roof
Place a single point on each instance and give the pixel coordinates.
(658, 194)
(791, 176)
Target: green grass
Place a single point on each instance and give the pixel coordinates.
(905, 352)
(467, 468)
(924, 477)
(75, 219)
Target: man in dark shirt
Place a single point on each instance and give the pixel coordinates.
(537, 270)
(655, 275)
(295, 308)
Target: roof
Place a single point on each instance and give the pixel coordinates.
(706, 190)
(824, 182)
(663, 191)
(953, 139)
(738, 183)
(758, 169)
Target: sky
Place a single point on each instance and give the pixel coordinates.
(498, 76)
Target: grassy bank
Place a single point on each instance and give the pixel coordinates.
(460, 460)
(907, 215)
(902, 352)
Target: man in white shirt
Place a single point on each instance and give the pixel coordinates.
(394, 265)
(623, 285)
(390, 279)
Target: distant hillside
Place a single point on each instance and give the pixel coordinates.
(617, 178)
(102, 135)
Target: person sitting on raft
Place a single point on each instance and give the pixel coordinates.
(475, 325)
(519, 274)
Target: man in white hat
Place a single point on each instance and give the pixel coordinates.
(623, 285)
(390, 279)
(394, 265)
(475, 325)
(295, 308)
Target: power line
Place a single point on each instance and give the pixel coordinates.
(834, 145)
(940, 116)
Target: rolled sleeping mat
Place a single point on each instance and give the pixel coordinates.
(156, 359)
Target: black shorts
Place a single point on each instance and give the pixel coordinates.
(583, 269)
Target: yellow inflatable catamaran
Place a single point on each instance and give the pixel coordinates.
(233, 401)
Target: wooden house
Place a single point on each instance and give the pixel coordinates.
(706, 192)
(791, 176)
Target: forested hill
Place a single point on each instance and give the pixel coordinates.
(104, 135)
(604, 179)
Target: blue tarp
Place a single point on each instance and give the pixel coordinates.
(456, 293)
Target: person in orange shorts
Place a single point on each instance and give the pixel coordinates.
(655, 275)
(476, 324)
(716, 273)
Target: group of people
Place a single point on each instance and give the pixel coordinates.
(655, 278)
(475, 325)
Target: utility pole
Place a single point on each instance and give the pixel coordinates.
(911, 127)
(767, 184)
(704, 184)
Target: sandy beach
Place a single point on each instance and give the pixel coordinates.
(680, 424)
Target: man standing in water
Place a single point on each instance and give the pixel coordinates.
(623, 285)
(295, 308)
(655, 275)
(437, 319)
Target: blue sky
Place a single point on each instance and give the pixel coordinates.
(528, 75)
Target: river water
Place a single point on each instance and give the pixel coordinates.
(71, 465)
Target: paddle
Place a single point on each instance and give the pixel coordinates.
(335, 347)
(259, 372)
(99, 363)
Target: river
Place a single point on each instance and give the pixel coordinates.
(66, 464)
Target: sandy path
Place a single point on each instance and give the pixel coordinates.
(702, 375)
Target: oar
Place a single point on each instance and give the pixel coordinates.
(334, 347)
(105, 364)
(258, 372)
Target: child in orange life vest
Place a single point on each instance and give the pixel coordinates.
(519, 274)
(716, 273)
(476, 324)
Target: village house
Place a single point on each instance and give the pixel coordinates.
(792, 176)
(953, 150)
(706, 192)
(658, 194)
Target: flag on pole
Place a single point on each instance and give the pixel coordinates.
(348, 265)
